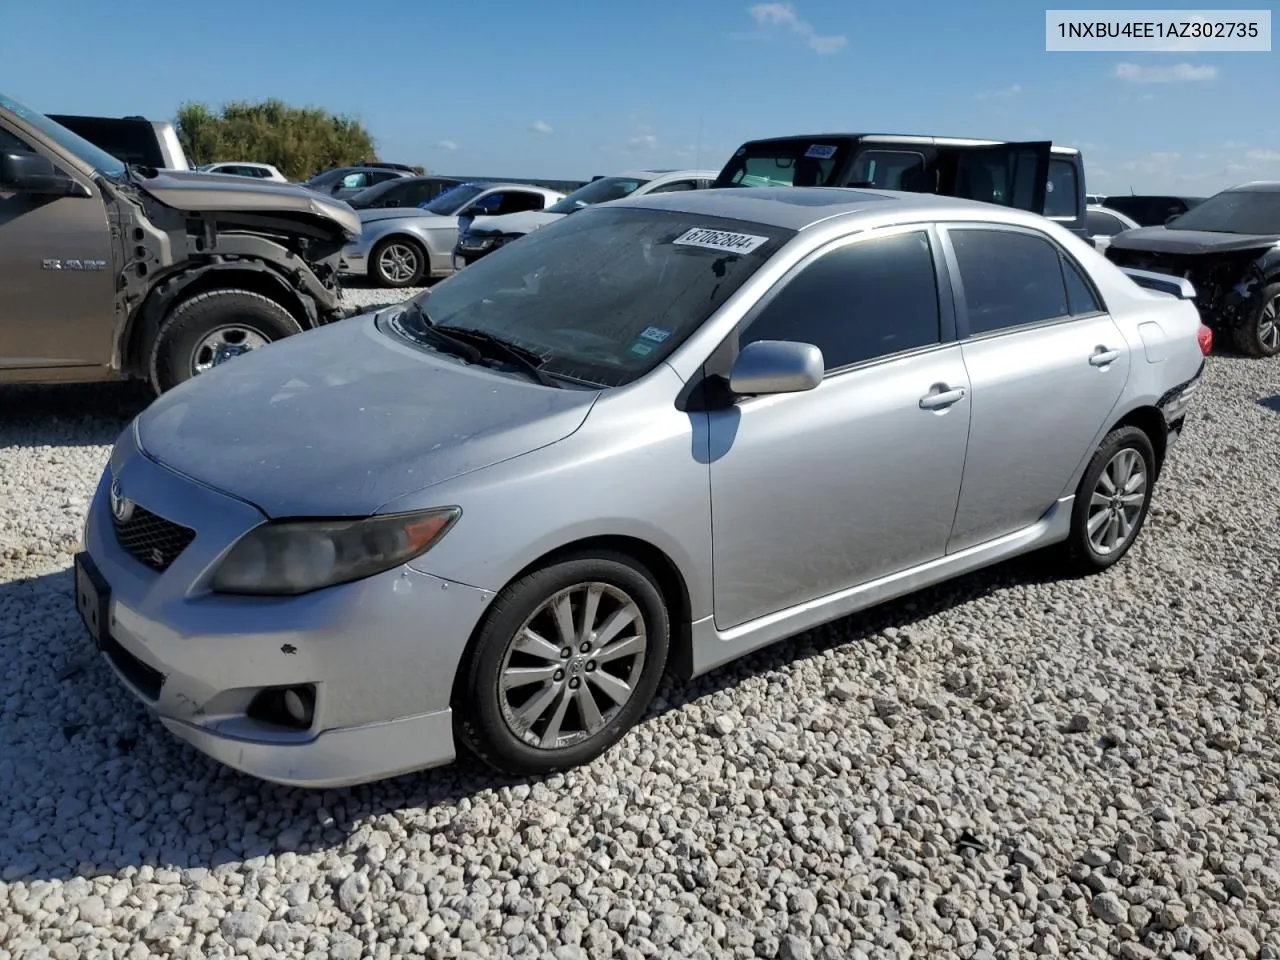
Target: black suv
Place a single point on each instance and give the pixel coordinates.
(1036, 175)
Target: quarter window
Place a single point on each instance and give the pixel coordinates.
(674, 186)
(1080, 296)
(1009, 279)
(858, 302)
(1061, 192)
(1101, 224)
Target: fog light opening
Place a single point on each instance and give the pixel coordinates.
(291, 707)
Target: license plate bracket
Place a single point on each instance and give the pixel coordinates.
(93, 599)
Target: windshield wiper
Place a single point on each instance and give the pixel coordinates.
(519, 356)
(430, 332)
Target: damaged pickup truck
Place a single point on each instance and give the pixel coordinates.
(110, 271)
(1229, 248)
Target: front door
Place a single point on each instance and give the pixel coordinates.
(57, 308)
(1010, 174)
(1047, 366)
(816, 492)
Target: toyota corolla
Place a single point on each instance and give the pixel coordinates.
(654, 436)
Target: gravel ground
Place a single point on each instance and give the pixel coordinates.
(1007, 766)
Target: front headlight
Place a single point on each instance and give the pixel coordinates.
(286, 558)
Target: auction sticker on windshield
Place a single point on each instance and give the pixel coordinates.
(821, 151)
(721, 240)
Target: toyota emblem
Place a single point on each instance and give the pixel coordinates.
(121, 506)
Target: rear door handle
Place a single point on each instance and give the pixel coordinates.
(1102, 356)
(941, 397)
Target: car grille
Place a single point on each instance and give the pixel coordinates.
(151, 539)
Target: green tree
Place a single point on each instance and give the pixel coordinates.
(298, 140)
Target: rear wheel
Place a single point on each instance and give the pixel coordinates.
(397, 262)
(210, 328)
(1112, 501)
(566, 662)
(1259, 336)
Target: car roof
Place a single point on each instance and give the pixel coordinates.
(795, 208)
(1255, 186)
(906, 138)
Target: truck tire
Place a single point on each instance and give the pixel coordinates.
(210, 328)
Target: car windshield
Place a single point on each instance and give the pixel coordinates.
(454, 199)
(604, 296)
(802, 162)
(96, 157)
(370, 195)
(598, 191)
(1254, 212)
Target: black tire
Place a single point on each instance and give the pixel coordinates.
(411, 248)
(480, 720)
(1259, 336)
(1080, 552)
(179, 344)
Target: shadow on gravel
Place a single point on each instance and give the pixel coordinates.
(1272, 402)
(90, 783)
(68, 414)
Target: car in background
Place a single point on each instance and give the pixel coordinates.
(1038, 176)
(403, 192)
(1103, 224)
(1228, 246)
(581, 464)
(1094, 199)
(255, 171)
(487, 234)
(401, 247)
(1151, 211)
(344, 182)
(134, 140)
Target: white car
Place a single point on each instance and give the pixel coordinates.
(256, 171)
(486, 234)
(1103, 223)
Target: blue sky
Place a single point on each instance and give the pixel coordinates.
(570, 90)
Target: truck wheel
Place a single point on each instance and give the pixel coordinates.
(1259, 336)
(211, 328)
(397, 262)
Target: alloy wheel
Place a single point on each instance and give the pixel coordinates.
(1116, 503)
(224, 343)
(1269, 325)
(398, 263)
(573, 665)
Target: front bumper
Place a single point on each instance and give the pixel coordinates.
(380, 654)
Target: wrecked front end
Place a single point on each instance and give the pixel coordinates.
(1229, 284)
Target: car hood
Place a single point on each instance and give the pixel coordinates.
(198, 192)
(1164, 240)
(374, 214)
(525, 222)
(340, 420)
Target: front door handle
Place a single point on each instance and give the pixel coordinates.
(1102, 356)
(941, 398)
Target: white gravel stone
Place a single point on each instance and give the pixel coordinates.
(1009, 765)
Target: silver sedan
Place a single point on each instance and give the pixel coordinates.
(654, 436)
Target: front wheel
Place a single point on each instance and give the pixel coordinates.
(1259, 336)
(1112, 501)
(210, 328)
(568, 658)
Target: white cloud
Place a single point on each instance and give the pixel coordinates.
(446, 145)
(1179, 73)
(782, 16)
(1263, 156)
(542, 127)
(1004, 93)
(645, 141)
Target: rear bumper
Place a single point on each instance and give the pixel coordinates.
(1177, 401)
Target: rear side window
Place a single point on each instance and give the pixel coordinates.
(890, 170)
(1009, 279)
(1101, 224)
(675, 186)
(1081, 298)
(858, 302)
(1061, 192)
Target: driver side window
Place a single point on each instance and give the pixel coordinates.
(12, 143)
(858, 302)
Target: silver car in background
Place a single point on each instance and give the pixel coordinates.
(657, 435)
(403, 246)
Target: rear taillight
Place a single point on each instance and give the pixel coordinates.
(1205, 337)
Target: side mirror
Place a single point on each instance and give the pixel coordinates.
(776, 366)
(32, 173)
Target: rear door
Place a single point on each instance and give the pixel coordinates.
(1008, 174)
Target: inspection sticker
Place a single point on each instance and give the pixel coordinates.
(720, 240)
(821, 151)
